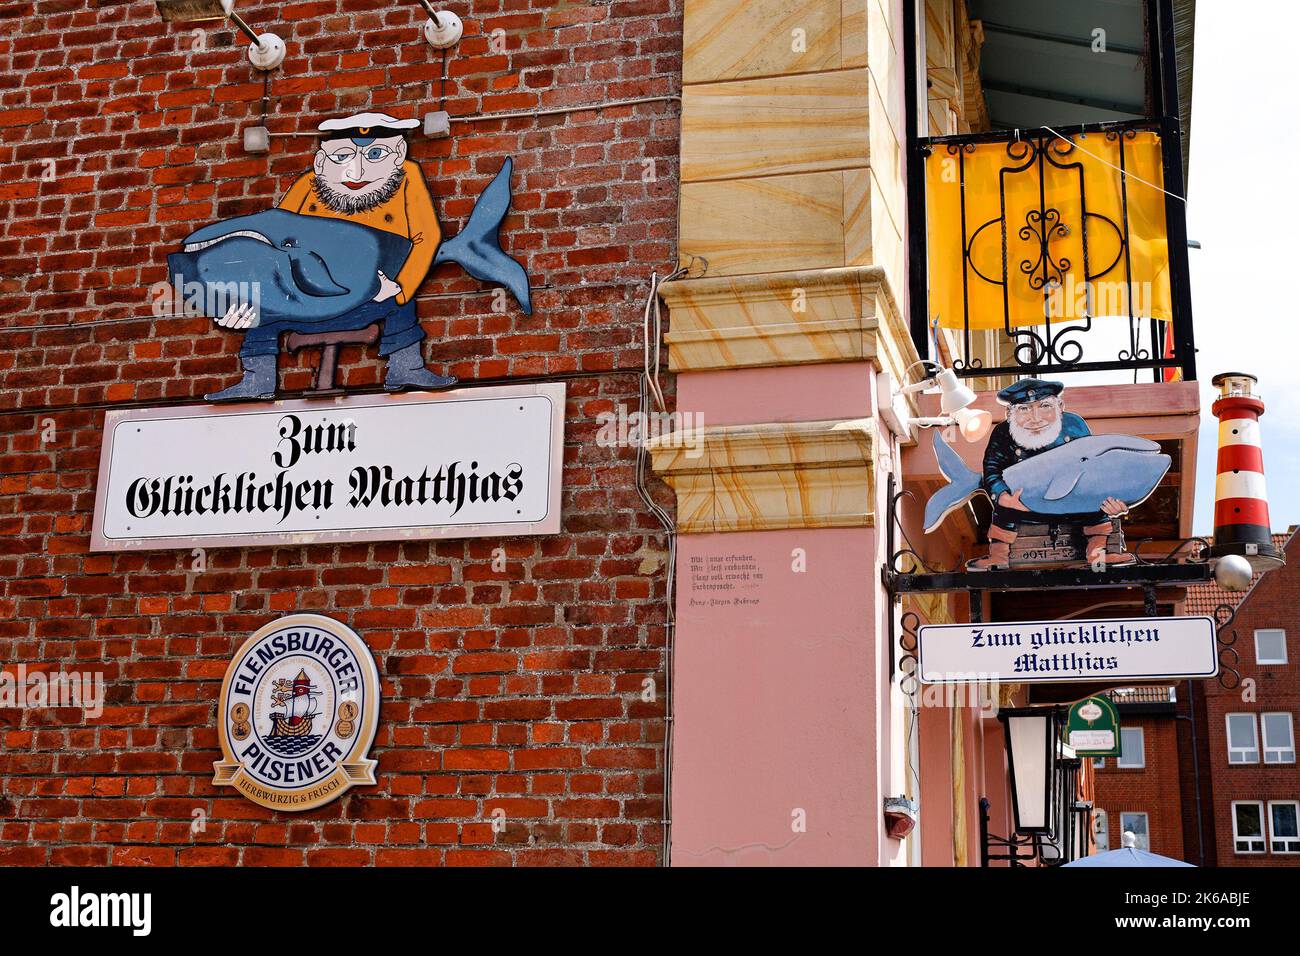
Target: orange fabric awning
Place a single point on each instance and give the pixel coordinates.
(984, 195)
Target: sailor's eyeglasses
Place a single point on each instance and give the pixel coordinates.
(371, 154)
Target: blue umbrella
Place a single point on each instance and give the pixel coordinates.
(1128, 855)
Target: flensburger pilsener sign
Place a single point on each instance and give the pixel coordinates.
(1034, 652)
(469, 463)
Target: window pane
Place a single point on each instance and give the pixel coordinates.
(1136, 824)
(1241, 730)
(1249, 822)
(1270, 646)
(1279, 745)
(1131, 748)
(1285, 823)
(1242, 744)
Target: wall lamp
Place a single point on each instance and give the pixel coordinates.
(954, 404)
(1032, 749)
(265, 51)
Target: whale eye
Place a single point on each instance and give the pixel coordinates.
(1084, 458)
(290, 243)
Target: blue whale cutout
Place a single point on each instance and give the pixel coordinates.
(313, 268)
(305, 268)
(1074, 478)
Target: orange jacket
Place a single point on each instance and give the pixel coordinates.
(409, 213)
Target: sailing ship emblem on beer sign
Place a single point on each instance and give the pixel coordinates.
(299, 708)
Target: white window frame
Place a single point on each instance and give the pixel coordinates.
(1254, 731)
(1285, 752)
(1259, 658)
(1125, 759)
(1292, 842)
(1145, 835)
(1238, 839)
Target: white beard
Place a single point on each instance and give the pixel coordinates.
(1032, 442)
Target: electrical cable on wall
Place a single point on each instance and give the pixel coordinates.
(652, 339)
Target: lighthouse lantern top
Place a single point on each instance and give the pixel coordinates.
(1234, 384)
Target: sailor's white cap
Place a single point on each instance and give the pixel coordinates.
(369, 124)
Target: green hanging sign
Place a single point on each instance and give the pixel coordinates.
(1093, 728)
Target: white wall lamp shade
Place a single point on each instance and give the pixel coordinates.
(955, 396)
(973, 423)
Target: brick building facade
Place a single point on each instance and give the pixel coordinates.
(523, 690)
(1186, 747)
(1142, 786)
(1253, 778)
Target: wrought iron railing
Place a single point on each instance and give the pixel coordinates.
(1088, 211)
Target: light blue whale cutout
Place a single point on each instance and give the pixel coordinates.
(314, 268)
(1073, 478)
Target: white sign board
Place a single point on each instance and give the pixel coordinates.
(1039, 652)
(469, 463)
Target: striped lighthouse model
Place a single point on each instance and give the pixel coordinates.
(1241, 524)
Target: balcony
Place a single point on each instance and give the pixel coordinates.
(1050, 252)
(1046, 171)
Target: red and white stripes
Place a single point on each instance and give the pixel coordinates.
(1241, 522)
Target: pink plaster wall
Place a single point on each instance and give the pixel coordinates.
(935, 728)
(793, 393)
(775, 707)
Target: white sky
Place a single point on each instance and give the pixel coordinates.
(1242, 206)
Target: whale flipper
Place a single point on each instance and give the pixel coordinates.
(477, 248)
(962, 484)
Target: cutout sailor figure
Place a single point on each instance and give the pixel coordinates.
(347, 248)
(1037, 422)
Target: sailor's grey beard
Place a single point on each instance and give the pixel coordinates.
(349, 204)
(1033, 441)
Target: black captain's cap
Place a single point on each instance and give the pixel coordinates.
(1029, 390)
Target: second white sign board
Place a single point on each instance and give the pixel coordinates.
(1036, 652)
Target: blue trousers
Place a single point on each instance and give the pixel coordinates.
(400, 328)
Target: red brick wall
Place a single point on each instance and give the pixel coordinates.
(519, 690)
(1274, 602)
(1153, 789)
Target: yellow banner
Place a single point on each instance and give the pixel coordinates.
(988, 197)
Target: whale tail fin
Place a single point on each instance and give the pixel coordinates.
(962, 484)
(477, 248)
